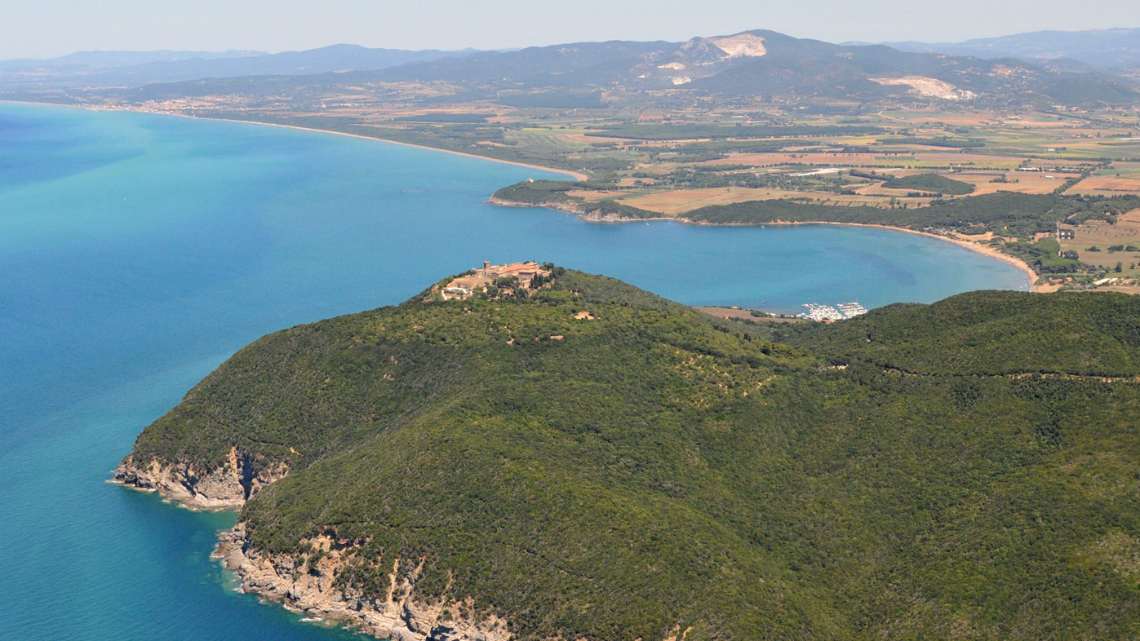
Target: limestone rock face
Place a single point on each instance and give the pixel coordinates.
(311, 588)
(293, 581)
(226, 487)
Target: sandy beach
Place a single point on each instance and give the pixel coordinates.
(977, 247)
(573, 174)
(981, 249)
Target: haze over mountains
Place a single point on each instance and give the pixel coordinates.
(140, 68)
(1117, 48)
(752, 63)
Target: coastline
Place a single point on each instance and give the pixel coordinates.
(301, 585)
(566, 172)
(1032, 276)
(289, 579)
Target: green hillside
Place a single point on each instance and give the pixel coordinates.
(964, 470)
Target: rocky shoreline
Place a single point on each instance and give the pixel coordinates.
(224, 488)
(292, 580)
(311, 588)
(565, 207)
(577, 210)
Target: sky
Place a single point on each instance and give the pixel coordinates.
(47, 28)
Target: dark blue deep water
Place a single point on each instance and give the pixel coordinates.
(138, 252)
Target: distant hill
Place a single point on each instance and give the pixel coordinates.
(326, 59)
(595, 462)
(769, 63)
(118, 59)
(753, 63)
(1107, 47)
(138, 69)
(558, 65)
(575, 75)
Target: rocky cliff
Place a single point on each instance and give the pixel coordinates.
(309, 584)
(585, 213)
(296, 582)
(226, 487)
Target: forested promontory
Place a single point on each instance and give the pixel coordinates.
(587, 460)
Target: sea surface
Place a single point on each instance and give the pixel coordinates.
(137, 252)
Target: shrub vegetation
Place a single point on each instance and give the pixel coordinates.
(964, 469)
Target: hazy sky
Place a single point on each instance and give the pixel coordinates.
(41, 28)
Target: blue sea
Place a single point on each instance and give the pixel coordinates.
(137, 252)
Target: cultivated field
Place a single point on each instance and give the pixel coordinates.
(676, 202)
(1099, 234)
(1021, 182)
(1107, 186)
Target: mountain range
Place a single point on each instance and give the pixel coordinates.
(1045, 68)
(754, 63)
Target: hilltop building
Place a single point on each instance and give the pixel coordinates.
(479, 278)
(525, 272)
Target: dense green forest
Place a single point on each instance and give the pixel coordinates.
(538, 192)
(553, 193)
(967, 469)
(1004, 213)
(933, 183)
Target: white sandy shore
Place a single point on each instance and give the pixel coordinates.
(573, 174)
(972, 246)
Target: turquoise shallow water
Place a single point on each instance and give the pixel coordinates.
(137, 252)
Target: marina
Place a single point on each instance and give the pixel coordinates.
(828, 313)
